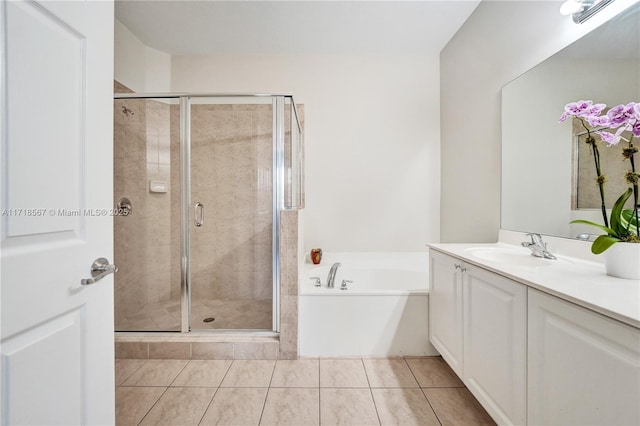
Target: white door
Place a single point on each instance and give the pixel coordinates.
(57, 162)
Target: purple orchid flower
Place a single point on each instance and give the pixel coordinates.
(597, 121)
(594, 110)
(620, 115)
(610, 138)
(581, 109)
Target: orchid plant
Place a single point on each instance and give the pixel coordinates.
(624, 224)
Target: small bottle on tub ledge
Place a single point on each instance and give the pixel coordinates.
(316, 256)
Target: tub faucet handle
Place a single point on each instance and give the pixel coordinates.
(343, 286)
(317, 283)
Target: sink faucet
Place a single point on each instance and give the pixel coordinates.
(332, 274)
(586, 237)
(538, 247)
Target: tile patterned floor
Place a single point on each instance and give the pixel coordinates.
(395, 391)
(227, 314)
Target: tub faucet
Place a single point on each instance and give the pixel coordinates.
(538, 247)
(332, 274)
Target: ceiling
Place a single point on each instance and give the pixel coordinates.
(294, 27)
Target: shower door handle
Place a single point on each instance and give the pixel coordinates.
(199, 214)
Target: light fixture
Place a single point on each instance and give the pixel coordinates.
(583, 9)
(570, 7)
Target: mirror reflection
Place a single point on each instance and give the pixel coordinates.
(586, 190)
(543, 187)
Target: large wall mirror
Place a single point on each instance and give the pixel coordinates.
(542, 160)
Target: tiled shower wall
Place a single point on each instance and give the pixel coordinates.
(147, 269)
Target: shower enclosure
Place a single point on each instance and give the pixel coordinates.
(199, 184)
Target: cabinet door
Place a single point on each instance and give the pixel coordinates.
(495, 351)
(584, 368)
(445, 308)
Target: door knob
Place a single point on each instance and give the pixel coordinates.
(100, 268)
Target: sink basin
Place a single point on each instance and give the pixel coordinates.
(511, 256)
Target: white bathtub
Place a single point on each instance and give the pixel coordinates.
(384, 312)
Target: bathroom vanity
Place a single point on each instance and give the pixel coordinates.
(537, 341)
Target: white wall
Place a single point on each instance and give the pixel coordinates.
(139, 67)
(499, 41)
(372, 139)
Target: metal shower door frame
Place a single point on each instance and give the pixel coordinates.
(278, 176)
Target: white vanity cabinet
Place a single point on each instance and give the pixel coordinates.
(583, 367)
(537, 342)
(495, 343)
(445, 308)
(478, 322)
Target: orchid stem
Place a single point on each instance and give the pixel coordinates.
(635, 187)
(596, 158)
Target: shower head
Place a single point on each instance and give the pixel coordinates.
(127, 111)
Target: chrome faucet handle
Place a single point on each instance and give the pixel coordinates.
(343, 286)
(537, 240)
(317, 283)
(538, 247)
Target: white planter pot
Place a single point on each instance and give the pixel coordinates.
(622, 260)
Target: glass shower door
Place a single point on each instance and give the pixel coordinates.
(146, 240)
(232, 213)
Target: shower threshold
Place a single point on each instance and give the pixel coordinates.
(199, 344)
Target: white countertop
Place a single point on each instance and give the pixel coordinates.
(580, 281)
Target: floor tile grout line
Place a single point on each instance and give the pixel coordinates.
(149, 385)
(273, 372)
(132, 373)
(153, 405)
(412, 373)
(224, 376)
(179, 372)
(204, 413)
(373, 399)
(350, 387)
(365, 373)
(319, 392)
(264, 405)
(158, 386)
(319, 406)
(430, 405)
(443, 387)
(422, 390)
(266, 396)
